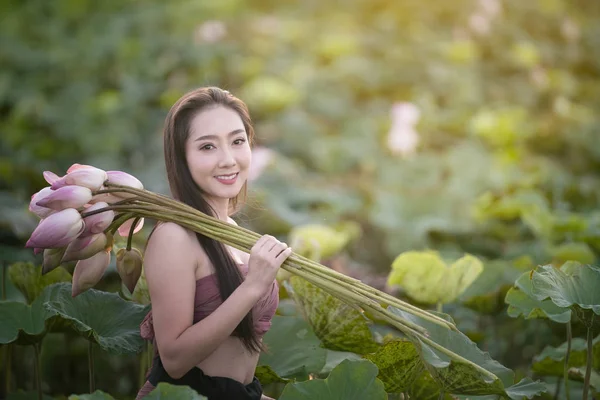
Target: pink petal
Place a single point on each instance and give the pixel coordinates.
(124, 179)
(85, 247)
(98, 222)
(90, 177)
(57, 230)
(41, 212)
(126, 227)
(50, 177)
(76, 166)
(66, 197)
(88, 272)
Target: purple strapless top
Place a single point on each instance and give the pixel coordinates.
(207, 299)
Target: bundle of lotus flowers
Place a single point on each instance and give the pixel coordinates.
(82, 210)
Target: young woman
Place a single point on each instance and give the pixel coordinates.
(211, 304)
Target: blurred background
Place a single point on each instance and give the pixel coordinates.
(459, 126)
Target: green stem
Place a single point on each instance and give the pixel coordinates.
(567, 356)
(4, 268)
(440, 307)
(91, 366)
(36, 367)
(588, 366)
(7, 364)
(130, 237)
(225, 233)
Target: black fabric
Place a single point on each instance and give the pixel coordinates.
(213, 387)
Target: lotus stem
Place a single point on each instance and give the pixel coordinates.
(91, 365)
(7, 365)
(351, 291)
(131, 230)
(567, 356)
(36, 369)
(590, 356)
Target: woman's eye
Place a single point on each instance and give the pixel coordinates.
(239, 141)
(207, 147)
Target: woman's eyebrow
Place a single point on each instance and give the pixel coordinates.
(205, 137)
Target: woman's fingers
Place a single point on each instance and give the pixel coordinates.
(284, 254)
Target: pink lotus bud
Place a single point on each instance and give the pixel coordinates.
(261, 158)
(76, 166)
(37, 250)
(129, 267)
(84, 247)
(124, 179)
(89, 177)
(88, 272)
(52, 259)
(41, 212)
(98, 222)
(50, 177)
(57, 230)
(66, 197)
(105, 198)
(126, 227)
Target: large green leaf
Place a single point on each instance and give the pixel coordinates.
(552, 359)
(521, 301)
(573, 285)
(104, 318)
(339, 326)
(428, 279)
(97, 395)
(25, 324)
(426, 388)
(459, 377)
(399, 365)
(293, 349)
(350, 380)
(29, 279)
(173, 392)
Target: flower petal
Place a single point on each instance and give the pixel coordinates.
(66, 197)
(57, 230)
(88, 272)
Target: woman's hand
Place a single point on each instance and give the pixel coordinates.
(266, 256)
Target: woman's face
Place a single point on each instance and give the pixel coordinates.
(218, 153)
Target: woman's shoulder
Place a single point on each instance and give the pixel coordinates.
(171, 236)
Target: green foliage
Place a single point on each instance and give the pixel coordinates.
(293, 351)
(349, 380)
(336, 324)
(100, 317)
(521, 301)
(552, 359)
(460, 377)
(30, 281)
(426, 278)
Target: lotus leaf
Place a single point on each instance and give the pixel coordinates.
(97, 395)
(551, 360)
(428, 279)
(338, 325)
(173, 392)
(104, 318)
(30, 281)
(459, 377)
(573, 285)
(399, 365)
(521, 301)
(350, 380)
(293, 349)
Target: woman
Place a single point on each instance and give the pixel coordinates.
(211, 304)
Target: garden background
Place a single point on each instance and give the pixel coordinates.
(460, 126)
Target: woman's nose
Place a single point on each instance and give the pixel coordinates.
(227, 159)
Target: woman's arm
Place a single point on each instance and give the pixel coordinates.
(170, 263)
